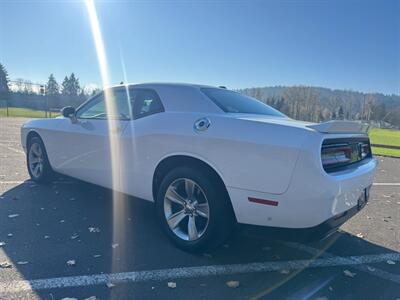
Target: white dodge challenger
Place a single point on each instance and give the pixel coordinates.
(210, 159)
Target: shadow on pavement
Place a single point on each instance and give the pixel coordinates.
(73, 220)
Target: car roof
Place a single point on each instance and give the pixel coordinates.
(167, 84)
(180, 97)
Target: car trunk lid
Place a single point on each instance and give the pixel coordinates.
(340, 127)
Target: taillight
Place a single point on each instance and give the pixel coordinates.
(365, 150)
(335, 155)
(338, 153)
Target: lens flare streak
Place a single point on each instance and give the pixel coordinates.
(119, 209)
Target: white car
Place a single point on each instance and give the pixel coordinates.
(209, 158)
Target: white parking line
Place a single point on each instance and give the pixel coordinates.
(387, 183)
(190, 272)
(362, 267)
(14, 182)
(13, 149)
(32, 182)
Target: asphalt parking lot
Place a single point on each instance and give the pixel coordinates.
(70, 239)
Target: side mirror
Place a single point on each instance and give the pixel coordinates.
(69, 112)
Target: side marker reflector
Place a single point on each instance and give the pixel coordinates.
(263, 201)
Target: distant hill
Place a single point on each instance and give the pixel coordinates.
(320, 104)
(325, 94)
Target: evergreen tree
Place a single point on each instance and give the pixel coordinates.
(4, 89)
(65, 86)
(82, 95)
(52, 88)
(74, 85)
(70, 86)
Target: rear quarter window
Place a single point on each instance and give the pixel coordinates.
(233, 102)
(145, 102)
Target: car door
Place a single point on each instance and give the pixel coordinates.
(138, 139)
(85, 144)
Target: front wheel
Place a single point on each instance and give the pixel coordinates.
(38, 164)
(193, 210)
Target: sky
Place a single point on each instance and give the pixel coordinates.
(343, 44)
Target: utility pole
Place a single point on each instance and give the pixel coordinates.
(42, 92)
(7, 95)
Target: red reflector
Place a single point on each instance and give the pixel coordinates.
(263, 201)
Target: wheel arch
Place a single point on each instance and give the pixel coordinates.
(168, 163)
(32, 133)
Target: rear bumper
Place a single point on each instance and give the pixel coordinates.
(300, 234)
(313, 196)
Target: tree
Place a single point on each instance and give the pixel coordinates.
(52, 87)
(4, 88)
(95, 91)
(82, 95)
(340, 113)
(71, 86)
(65, 86)
(303, 103)
(368, 106)
(74, 85)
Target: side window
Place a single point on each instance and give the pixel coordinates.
(123, 105)
(97, 108)
(94, 109)
(145, 102)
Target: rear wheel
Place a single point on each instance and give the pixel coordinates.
(193, 210)
(38, 164)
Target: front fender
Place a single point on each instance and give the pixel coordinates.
(43, 127)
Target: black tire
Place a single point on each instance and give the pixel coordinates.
(46, 173)
(221, 217)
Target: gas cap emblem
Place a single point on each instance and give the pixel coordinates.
(202, 124)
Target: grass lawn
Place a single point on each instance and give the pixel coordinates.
(24, 112)
(385, 152)
(385, 137)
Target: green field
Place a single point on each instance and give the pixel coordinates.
(385, 137)
(24, 112)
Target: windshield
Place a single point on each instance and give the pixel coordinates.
(233, 102)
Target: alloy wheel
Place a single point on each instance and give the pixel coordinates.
(186, 209)
(36, 160)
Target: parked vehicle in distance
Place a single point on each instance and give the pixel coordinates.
(210, 158)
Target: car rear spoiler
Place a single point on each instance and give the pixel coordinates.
(340, 127)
